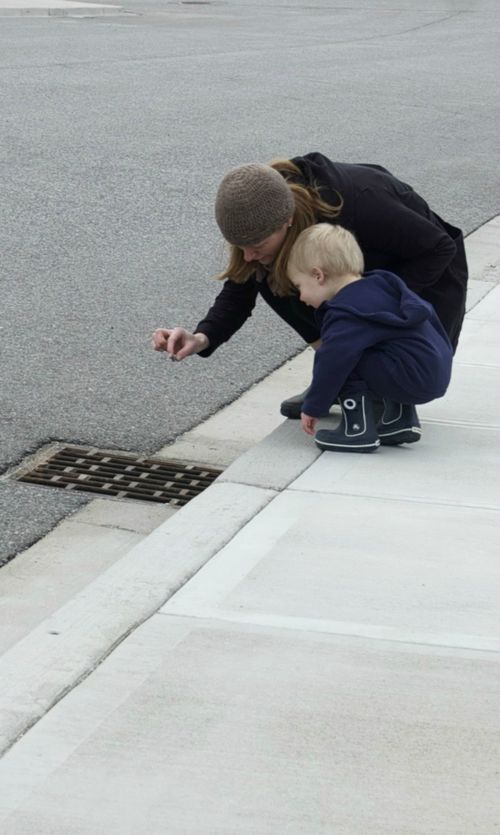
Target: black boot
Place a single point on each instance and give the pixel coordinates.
(357, 431)
(292, 407)
(399, 424)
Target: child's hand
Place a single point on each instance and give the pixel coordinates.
(308, 423)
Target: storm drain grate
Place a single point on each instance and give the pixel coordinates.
(122, 476)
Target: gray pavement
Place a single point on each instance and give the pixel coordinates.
(310, 646)
(115, 132)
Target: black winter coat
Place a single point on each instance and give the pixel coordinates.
(396, 230)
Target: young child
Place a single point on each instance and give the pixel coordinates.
(378, 341)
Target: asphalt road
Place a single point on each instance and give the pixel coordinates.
(115, 133)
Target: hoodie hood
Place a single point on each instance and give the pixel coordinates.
(388, 302)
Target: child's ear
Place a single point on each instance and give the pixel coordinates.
(319, 275)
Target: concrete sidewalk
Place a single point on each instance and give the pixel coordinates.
(310, 646)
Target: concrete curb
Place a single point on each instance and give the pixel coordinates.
(274, 462)
(56, 8)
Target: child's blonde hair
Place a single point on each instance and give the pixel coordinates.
(332, 249)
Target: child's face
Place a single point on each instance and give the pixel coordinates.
(313, 287)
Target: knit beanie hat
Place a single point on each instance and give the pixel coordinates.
(252, 202)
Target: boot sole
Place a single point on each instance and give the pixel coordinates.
(404, 436)
(336, 447)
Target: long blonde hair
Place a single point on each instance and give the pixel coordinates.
(309, 206)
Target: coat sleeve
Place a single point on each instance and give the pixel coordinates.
(229, 312)
(343, 341)
(418, 248)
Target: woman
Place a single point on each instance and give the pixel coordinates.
(262, 209)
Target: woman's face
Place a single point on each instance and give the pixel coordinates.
(266, 251)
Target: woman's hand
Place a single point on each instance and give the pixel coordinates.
(308, 423)
(178, 342)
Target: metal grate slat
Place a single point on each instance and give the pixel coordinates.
(49, 471)
(122, 476)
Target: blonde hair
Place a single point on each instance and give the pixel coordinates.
(309, 205)
(331, 248)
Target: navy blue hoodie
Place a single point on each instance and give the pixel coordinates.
(388, 336)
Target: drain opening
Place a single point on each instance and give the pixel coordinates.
(122, 476)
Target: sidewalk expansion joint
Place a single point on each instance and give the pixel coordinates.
(417, 499)
(451, 641)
